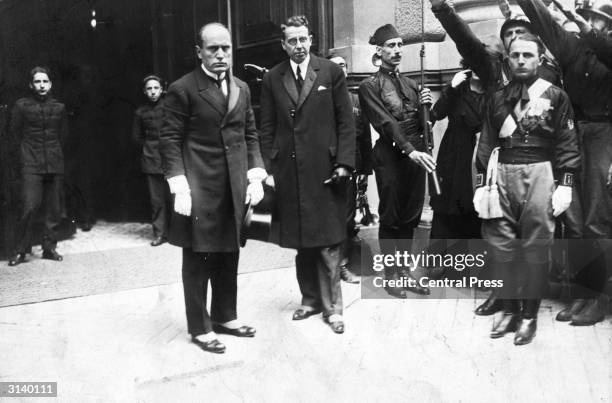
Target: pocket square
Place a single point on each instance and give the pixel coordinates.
(321, 88)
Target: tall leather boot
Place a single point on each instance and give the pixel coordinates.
(535, 289)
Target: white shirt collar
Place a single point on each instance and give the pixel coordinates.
(213, 75)
(303, 67)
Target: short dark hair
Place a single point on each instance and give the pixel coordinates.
(40, 69)
(295, 21)
(529, 37)
(198, 40)
(150, 77)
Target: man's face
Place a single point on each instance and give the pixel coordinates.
(391, 53)
(41, 84)
(216, 50)
(598, 22)
(512, 32)
(297, 43)
(152, 90)
(524, 59)
(340, 62)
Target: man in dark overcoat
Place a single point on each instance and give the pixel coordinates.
(308, 136)
(211, 158)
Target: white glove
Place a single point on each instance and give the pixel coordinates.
(182, 203)
(254, 193)
(270, 181)
(561, 199)
(459, 78)
(182, 194)
(178, 184)
(478, 194)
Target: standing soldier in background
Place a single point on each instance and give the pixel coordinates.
(148, 120)
(529, 129)
(363, 168)
(588, 83)
(39, 127)
(308, 142)
(392, 103)
(210, 155)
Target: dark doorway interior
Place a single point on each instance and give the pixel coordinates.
(97, 73)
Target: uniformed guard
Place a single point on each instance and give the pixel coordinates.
(493, 69)
(391, 103)
(528, 141)
(39, 128)
(148, 120)
(588, 83)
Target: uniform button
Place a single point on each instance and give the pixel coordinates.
(226, 148)
(293, 154)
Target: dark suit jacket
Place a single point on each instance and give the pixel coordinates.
(303, 137)
(213, 141)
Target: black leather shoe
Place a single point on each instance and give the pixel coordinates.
(589, 315)
(413, 285)
(213, 346)
(16, 259)
(347, 276)
(490, 306)
(526, 331)
(242, 331)
(301, 314)
(51, 254)
(158, 241)
(86, 226)
(507, 324)
(336, 326)
(573, 309)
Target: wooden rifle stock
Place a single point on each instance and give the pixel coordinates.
(428, 140)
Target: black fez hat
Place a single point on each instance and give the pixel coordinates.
(383, 34)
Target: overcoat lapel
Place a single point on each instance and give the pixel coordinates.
(289, 83)
(209, 92)
(234, 95)
(311, 76)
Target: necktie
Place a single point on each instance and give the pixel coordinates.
(299, 80)
(221, 86)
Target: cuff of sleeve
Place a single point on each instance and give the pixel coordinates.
(178, 184)
(256, 174)
(479, 180)
(566, 179)
(407, 148)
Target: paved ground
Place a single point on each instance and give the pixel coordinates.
(131, 346)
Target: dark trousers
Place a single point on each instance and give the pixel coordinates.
(159, 194)
(596, 141)
(455, 226)
(319, 278)
(221, 268)
(401, 186)
(39, 190)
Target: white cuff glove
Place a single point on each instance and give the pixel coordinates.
(254, 193)
(182, 194)
(178, 184)
(561, 199)
(478, 194)
(256, 174)
(270, 180)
